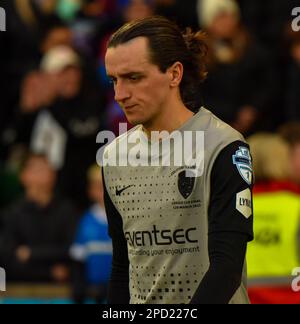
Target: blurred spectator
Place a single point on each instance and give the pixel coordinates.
(136, 9)
(291, 133)
(183, 12)
(241, 81)
(38, 91)
(276, 202)
(68, 9)
(54, 32)
(92, 248)
(88, 20)
(10, 187)
(97, 8)
(67, 129)
(267, 19)
(39, 229)
(292, 77)
(19, 53)
(24, 18)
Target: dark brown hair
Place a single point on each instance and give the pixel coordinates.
(168, 45)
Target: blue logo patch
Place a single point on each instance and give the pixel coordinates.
(242, 160)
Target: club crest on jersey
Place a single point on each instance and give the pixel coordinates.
(185, 184)
(242, 160)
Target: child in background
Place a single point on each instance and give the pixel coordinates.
(92, 248)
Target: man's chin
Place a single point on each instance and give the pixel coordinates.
(134, 121)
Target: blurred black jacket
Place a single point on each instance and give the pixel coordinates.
(47, 231)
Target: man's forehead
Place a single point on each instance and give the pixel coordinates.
(139, 43)
(131, 54)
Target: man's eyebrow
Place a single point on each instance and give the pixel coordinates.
(126, 75)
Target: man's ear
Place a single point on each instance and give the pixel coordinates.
(176, 73)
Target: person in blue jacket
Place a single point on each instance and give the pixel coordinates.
(91, 250)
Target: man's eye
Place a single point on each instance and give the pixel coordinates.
(134, 78)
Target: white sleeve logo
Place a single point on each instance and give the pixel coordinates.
(244, 203)
(242, 160)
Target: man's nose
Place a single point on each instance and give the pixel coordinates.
(121, 92)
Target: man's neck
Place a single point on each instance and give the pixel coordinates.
(171, 120)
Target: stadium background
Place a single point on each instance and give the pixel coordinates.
(54, 93)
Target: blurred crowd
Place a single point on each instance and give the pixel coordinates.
(56, 98)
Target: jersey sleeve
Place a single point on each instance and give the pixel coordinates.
(118, 292)
(230, 221)
(230, 208)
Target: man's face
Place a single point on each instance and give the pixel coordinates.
(141, 89)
